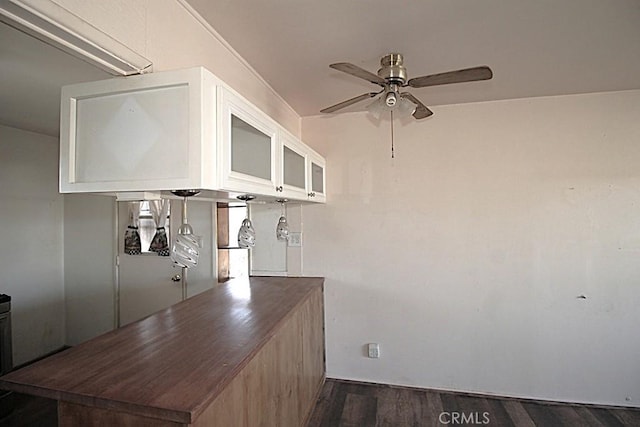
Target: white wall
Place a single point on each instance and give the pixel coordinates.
(88, 265)
(31, 250)
(269, 256)
(467, 255)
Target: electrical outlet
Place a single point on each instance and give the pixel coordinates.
(295, 239)
(374, 350)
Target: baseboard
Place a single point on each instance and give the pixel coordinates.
(488, 395)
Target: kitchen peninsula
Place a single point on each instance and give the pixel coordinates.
(245, 353)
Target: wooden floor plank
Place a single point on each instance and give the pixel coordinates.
(434, 403)
(323, 402)
(359, 410)
(567, 415)
(429, 408)
(498, 414)
(628, 417)
(475, 410)
(449, 403)
(541, 415)
(395, 408)
(334, 410)
(588, 417)
(352, 404)
(606, 417)
(518, 414)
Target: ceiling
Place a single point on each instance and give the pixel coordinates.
(535, 48)
(32, 75)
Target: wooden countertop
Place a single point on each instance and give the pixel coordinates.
(174, 363)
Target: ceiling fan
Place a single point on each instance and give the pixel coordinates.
(392, 76)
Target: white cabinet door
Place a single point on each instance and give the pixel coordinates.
(317, 178)
(248, 147)
(139, 133)
(292, 169)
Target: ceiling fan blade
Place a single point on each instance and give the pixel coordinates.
(348, 102)
(458, 76)
(354, 70)
(421, 111)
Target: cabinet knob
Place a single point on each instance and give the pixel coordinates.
(312, 194)
(279, 188)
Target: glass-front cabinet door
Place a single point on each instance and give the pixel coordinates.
(248, 147)
(293, 167)
(140, 133)
(316, 178)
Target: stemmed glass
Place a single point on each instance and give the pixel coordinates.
(282, 229)
(246, 234)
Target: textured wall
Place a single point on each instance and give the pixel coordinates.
(31, 252)
(466, 257)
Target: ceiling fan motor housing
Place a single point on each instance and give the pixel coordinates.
(392, 69)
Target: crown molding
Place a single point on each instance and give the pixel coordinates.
(60, 28)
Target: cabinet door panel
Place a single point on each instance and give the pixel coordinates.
(317, 178)
(317, 183)
(293, 169)
(139, 133)
(247, 156)
(132, 134)
(250, 150)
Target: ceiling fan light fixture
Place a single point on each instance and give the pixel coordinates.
(405, 107)
(390, 99)
(377, 107)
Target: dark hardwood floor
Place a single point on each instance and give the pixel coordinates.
(351, 404)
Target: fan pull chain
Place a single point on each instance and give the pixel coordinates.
(392, 148)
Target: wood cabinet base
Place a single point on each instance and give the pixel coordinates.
(280, 385)
(245, 353)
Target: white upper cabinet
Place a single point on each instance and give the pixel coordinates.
(139, 133)
(316, 167)
(248, 147)
(178, 130)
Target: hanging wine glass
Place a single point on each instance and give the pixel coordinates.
(246, 234)
(282, 228)
(184, 251)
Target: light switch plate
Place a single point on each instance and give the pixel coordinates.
(295, 239)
